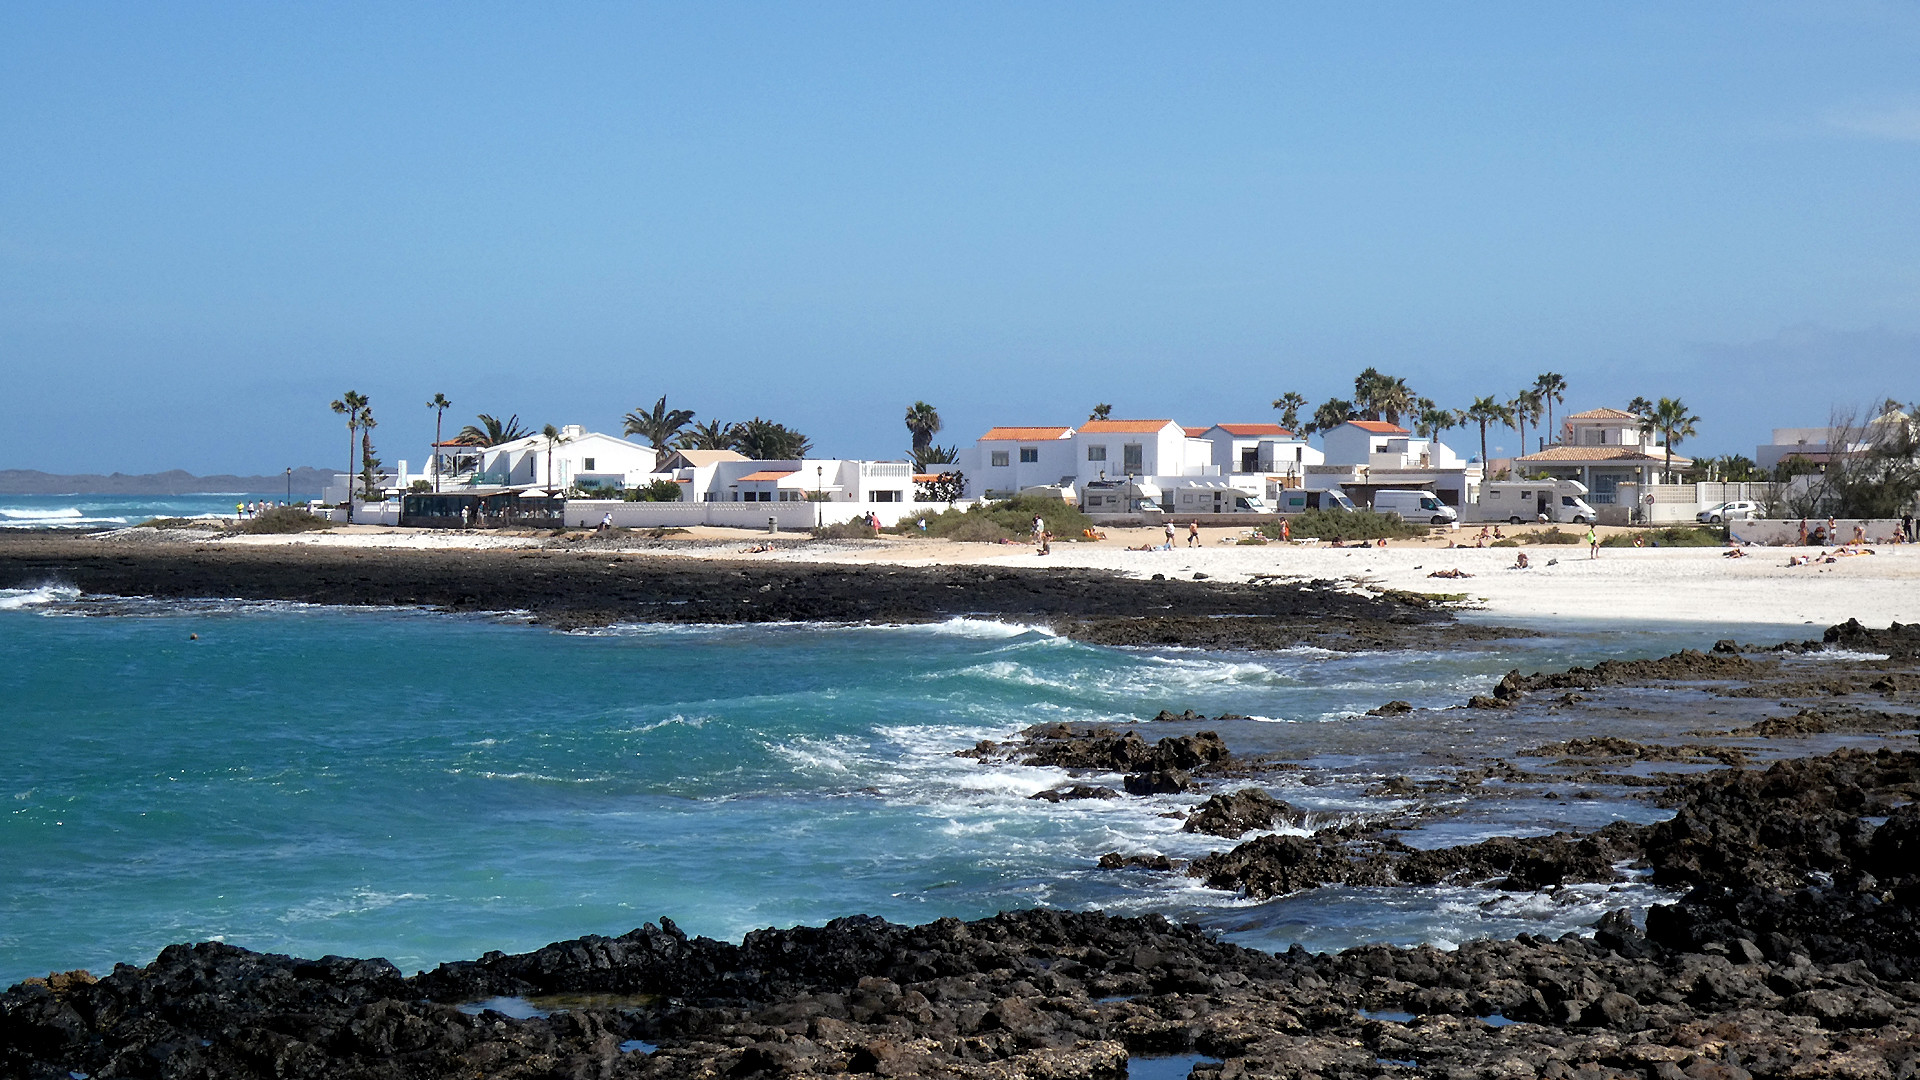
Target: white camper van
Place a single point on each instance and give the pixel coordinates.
(1211, 497)
(1415, 506)
(1520, 501)
(1299, 501)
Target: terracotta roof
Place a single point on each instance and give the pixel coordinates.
(1379, 427)
(1604, 414)
(926, 477)
(769, 474)
(1599, 453)
(1195, 432)
(1025, 434)
(1123, 427)
(1253, 429)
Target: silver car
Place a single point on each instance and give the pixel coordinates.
(1740, 510)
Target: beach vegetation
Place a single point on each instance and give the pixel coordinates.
(1004, 520)
(1338, 525)
(946, 487)
(176, 523)
(660, 425)
(1552, 535)
(856, 529)
(491, 431)
(279, 519)
(1670, 536)
(655, 491)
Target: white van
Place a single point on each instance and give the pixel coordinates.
(1299, 501)
(1211, 497)
(1519, 501)
(1415, 506)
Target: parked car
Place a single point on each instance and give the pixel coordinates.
(1739, 510)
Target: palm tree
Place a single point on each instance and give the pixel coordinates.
(439, 405)
(1670, 418)
(1552, 389)
(1100, 412)
(1393, 398)
(1430, 420)
(1485, 411)
(707, 435)
(1640, 407)
(659, 426)
(1290, 404)
(554, 438)
(934, 455)
(764, 440)
(352, 405)
(492, 432)
(1331, 414)
(1526, 410)
(923, 423)
(369, 465)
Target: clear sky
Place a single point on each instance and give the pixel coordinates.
(215, 219)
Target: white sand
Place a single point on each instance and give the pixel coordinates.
(1688, 585)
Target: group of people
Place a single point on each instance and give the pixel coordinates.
(1829, 534)
(255, 509)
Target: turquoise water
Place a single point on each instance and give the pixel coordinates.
(427, 787)
(114, 511)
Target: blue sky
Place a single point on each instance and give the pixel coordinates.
(215, 219)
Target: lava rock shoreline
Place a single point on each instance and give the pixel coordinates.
(1795, 952)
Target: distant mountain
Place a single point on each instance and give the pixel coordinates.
(306, 482)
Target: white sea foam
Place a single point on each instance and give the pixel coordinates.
(357, 902)
(69, 517)
(20, 599)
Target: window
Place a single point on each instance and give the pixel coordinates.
(1130, 459)
(884, 496)
(586, 465)
(998, 459)
(1250, 459)
(1029, 455)
(1096, 453)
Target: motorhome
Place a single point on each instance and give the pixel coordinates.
(1299, 501)
(1415, 507)
(1518, 501)
(1211, 497)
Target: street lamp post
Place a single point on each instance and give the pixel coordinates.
(819, 490)
(289, 485)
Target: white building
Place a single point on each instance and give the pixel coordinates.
(579, 459)
(1365, 456)
(1007, 460)
(1603, 449)
(1263, 450)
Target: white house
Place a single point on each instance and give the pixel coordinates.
(578, 459)
(1603, 449)
(1006, 460)
(1365, 456)
(1266, 450)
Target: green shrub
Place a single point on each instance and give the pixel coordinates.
(1253, 540)
(990, 522)
(1670, 536)
(173, 523)
(1551, 536)
(1340, 525)
(655, 491)
(1505, 543)
(857, 529)
(281, 519)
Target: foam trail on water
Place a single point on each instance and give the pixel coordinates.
(20, 599)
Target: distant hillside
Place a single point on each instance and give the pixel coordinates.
(173, 482)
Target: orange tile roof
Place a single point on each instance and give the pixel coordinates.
(926, 477)
(1604, 414)
(1379, 427)
(1599, 453)
(769, 474)
(1025, 434)
(1123, 427)
(1195, 432)
(1253, 429)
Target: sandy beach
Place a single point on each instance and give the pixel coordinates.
(1690, 585)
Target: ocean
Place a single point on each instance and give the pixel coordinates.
(427, 787)
(116, 511)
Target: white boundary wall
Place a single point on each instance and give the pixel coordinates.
(791, 516)
(1785, 532)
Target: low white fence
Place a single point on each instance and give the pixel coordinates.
(787, 516)
(1785, 532)
(380, 513)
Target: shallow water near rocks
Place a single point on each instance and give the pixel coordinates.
(424, 787)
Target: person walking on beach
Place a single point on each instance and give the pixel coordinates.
(1193, 534)
(1286, 531)
(1168, 546)
(1593, 542)
(1039, 526)
(1832, 531)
